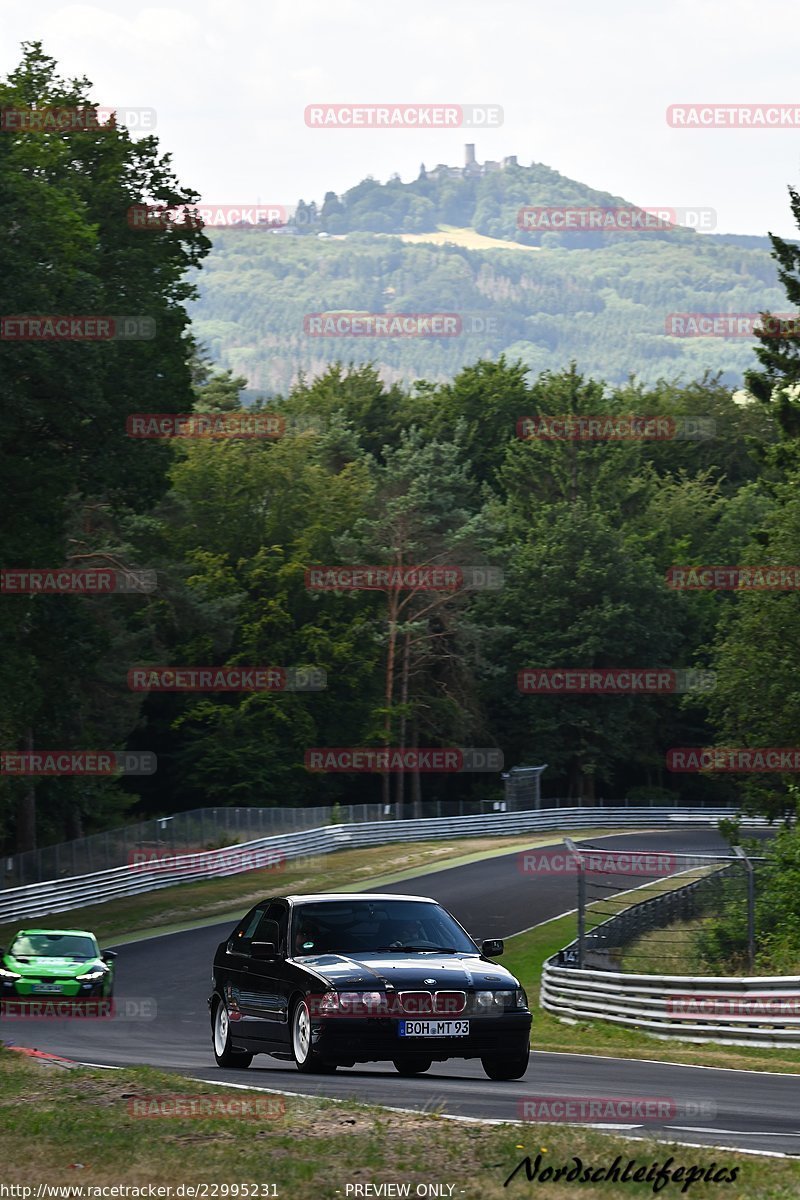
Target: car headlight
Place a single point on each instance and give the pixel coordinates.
(349, 1004)
(91, 976)
(329, 1003)
(490, 1001)
(503, 1001)
(5, 974)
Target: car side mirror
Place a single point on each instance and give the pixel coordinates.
(493, 948)
(108, 955)
(263, 950)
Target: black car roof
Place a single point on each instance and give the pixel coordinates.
(339, 897)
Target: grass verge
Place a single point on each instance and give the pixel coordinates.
(645, 956)
(80, 1128)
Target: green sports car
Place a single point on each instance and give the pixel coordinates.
(56, 962)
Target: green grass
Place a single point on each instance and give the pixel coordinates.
(646, 955)
(80, 1128)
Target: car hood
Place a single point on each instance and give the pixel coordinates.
(38, 968)
(403, 971)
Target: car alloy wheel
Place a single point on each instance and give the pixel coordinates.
(304, 1056)
(224, 1053)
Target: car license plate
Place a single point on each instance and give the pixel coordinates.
(47, 987)
(433, 1029)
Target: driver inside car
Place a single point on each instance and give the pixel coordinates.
(406, 933)
(306, 940)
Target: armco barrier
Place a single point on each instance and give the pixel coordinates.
(61, 895)
(753, 1011)
(760, 1011)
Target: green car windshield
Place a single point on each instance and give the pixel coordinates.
(53, 945)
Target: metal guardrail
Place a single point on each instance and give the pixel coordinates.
(752, 1011)
(62, 895)
(206, 828)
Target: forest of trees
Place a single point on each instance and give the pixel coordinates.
(606, 307)
(366, 472)
(599, 298)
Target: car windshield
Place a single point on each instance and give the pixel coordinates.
(53, 945)
(376, 927)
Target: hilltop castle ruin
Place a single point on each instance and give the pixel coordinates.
(471, 168)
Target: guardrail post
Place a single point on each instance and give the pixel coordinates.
(751, 908)
(573, 849)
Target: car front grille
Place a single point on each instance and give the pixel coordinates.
(440, 1003)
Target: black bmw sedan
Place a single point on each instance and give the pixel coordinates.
(335, 979)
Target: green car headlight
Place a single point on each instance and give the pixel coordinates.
(6, 974)
(90, 976)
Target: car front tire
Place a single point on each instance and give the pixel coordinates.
(224, 1052)
(507, 1066)
(410, 1066)
(305, 1057)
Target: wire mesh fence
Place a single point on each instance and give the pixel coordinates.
(183, 833)
(654, 912)
(210, 829)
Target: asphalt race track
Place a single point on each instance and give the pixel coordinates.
(492, 898)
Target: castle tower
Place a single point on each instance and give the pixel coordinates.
(469, 155)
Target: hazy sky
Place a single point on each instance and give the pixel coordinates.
(584, 88)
